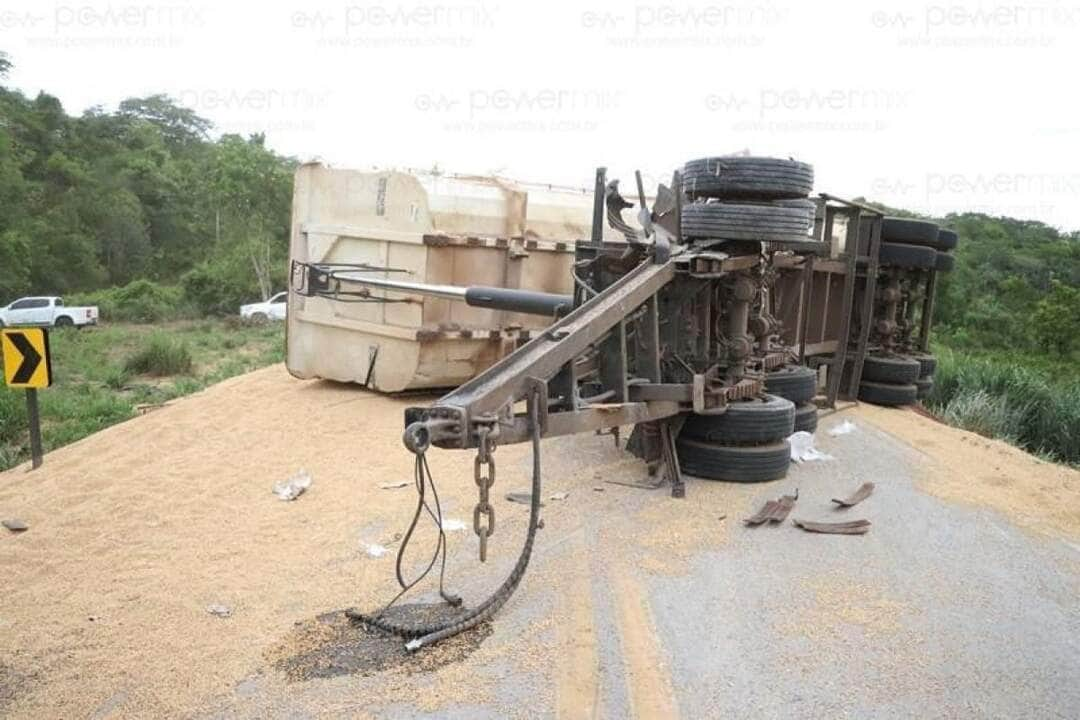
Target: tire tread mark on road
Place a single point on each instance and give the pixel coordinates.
(579, 666)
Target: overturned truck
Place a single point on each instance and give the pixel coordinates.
(713, 322)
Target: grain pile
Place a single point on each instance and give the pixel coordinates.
(965, 467)
(136, 531)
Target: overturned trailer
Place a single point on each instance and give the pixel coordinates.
(420, 228)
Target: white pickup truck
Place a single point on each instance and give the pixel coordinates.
(272, 309)
(49, 311)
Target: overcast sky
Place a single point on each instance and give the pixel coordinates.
(934, 107)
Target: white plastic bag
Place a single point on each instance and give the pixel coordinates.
(294, 487)
(802, 448)
(842, 429)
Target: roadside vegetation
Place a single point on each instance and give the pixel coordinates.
(108, 374)
(1034, 406)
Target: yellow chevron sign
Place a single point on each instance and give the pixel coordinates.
(26, 357)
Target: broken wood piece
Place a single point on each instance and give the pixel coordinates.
(856, 497)
(774, 511)
(521, 497)
(854, 527)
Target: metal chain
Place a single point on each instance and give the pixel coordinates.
(484, 482)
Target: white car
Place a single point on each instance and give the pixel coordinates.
(272, 309)
(49, 311)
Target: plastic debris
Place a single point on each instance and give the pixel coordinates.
(393, 485)
(452, 524)
(774, 511)
(221, 611)
(856, 497)
(521, 497)
(802, 448)
(15, 525)
(855, 527)
(375, 550)
(294, 487)
(559, 496)
(842, 429)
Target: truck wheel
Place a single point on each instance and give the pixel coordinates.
(924, 385)
(746, 221)
(908, 256)
(745, 422)
(912, 232)
(888, 394)
(745, 463)
(806, 418)
(896, 369)
(927, 363)
(259, 318)
(747, 177)
(796, 383)
(945, 262)
(63, 322)
(947, 239)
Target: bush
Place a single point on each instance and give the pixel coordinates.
(218, 289)
(1039, 411)
(141, 301)
(161, 355)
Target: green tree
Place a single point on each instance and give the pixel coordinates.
(1057, 319)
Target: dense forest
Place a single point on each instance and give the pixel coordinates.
(142, 194)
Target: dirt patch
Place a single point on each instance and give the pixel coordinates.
(965, 467)
(332, 645)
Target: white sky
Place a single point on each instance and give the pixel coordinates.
(935, 107)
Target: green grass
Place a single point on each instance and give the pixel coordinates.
(1033, 403)
(160, 356)
(102, 375)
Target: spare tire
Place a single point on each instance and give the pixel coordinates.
(888, 394)
(946, 239)
(907, 230)
(745, 463)
(796, 383)
(945, 262)
(747, 221)
(893, 369)
(755, 421)
(908, 256)
(747, 177)
(806, 418)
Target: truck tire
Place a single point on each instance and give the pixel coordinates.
(907, 256)
(927, 363)
(796, 383)
(923, 387)
(888, 394)
(747, 177)
(945, 262)
(745, 422)
(894, 369)
(806, 418)
(745, 464)
(946, 239)
(907, 230)
(63, 322)
(747, 221)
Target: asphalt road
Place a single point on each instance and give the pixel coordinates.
(637, 605)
